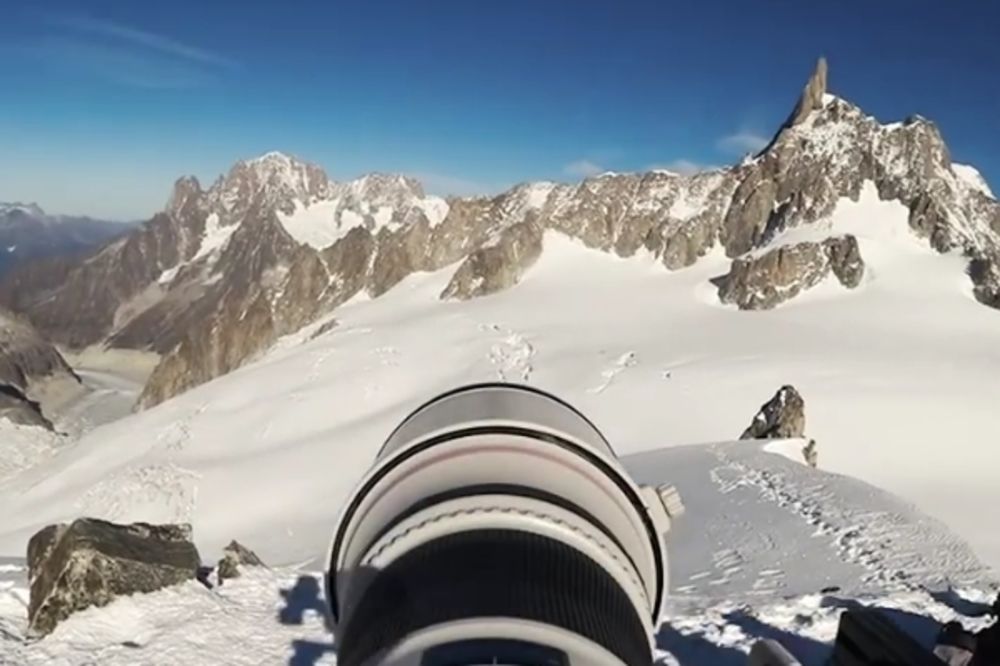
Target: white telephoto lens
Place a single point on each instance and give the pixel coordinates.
(496, 525)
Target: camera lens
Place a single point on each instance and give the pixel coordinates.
(496, 526)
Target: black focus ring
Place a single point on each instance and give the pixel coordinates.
(493, 573)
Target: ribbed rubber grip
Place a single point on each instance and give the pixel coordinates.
(493, 573)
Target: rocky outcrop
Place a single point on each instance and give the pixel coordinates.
(24, 355)
(784, 417)
(91, 562)
(20, 409)
(985, 274)
(273, 245)
(812, 95)
(760, 282)
(497, 265)
(29, 367)
(235, 556)
(845, 260)
(781, 417)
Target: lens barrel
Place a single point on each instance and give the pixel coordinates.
(496, 525)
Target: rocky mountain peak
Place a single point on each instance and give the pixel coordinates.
(813, 95)
(273, 180)
(384, 189)
(18, 208)
(274, 244)
(187, 190)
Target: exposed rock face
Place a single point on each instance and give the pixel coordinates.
(20, 409)
(234, 556)
(27, 364)
(985, 274)
(273, 245)
(90, 562)
(812, 95)
(763, 281)
(781, 417)
(845, 260)
(498, 265)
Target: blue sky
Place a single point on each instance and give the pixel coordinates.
(103, 104)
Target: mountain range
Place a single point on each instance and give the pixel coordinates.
(226, 270)
(28, 233)
(297, 320)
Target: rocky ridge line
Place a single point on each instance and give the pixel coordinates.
(217, 277)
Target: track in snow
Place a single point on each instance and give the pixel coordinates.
(608, 375)
(770, 527)
(744, 563)
(511, 355)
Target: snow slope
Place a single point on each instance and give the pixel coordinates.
(898, 378)
(761, 536)
(970, 176)
(275, 617)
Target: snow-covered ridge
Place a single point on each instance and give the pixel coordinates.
(970, 176)
(870, 219)
(30, 209)
(314, 209)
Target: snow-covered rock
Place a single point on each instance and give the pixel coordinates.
(781, 417)
(813, 97)
(91, 562)
(760, 282)
(972, 178)
(235, 556)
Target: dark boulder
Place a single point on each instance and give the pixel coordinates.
(234, 556)
(845, 260)
(91, 562)
(781, 417)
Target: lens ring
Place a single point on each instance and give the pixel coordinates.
(416, 449)
(494, 573)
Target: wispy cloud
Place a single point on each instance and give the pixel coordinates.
(683, 167)
(742, 142)
(582, 169)
(142, 39)
(123, 54)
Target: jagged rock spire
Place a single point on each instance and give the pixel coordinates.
(812, 95)
(186, 191)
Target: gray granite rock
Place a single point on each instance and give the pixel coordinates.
(90, 562)
(235, 556)
(781, 417)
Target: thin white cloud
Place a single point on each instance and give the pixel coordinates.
(122, 66)
(582, 169)
(142, 39)
(742, 142)
(121, 54)
(683, 166)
